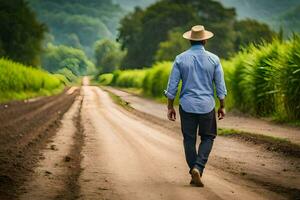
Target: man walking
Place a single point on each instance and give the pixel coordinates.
(199, 71)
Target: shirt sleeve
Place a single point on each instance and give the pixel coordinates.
(173, 82)
(219, 81)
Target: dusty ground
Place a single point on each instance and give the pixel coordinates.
(25, 128)
(126, 157)
(232, 121)
(101, 151)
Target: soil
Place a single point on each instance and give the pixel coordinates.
(96, 149)
(25, 129)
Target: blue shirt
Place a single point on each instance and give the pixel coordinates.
(199, 70)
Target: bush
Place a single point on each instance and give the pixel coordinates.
(105, 79)
(129, 78)
(67, 74)
(266, 80)
(156, 79)
(18, 81)
(290, 78)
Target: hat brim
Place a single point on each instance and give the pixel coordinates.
(207, 35)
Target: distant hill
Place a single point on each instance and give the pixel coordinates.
(276, 13)
(130, 4)
(78, 23)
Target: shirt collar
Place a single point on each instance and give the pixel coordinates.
(197, 47)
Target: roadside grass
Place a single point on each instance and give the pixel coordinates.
(18, 82)
(15, 96)
(118, 100)
(271, 143)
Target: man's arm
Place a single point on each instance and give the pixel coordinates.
(171, 91)
(220, 89)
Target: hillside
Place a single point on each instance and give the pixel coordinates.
(276, 13)
(78, 23)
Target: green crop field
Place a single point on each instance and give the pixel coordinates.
(21, 82)
(262, 81)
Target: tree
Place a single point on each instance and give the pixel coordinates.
(251, 31)
(170, 48)
(142, 31)
(59, 57)
(108, 55)
(21, 35)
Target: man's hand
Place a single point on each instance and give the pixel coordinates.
(221, 113)
(171, 114)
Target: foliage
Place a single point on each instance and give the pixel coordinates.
(20, 33)
(59, 57)
(266, 80)
(18, 81)
(129, 78)
(152, 81)
(289, 66)
(156, 79)
(79, 23)
(105, 79)
(68, 74)
(170, 48)
(145, 34)
(108, 55)
(250, 31)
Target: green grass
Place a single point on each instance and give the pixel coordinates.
(105, 79)
(118, 100)
(22, 82)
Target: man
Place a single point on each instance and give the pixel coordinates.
(199, 71)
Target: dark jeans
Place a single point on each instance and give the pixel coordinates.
(207, 129)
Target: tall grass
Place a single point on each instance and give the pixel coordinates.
(19, 82)
(266, 80)
(263, 81)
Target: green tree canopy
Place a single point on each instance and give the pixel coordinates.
(108, 55)
(170, 48)
(142, 31)
(21, 34)
(59, 57)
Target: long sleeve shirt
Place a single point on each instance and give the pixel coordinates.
(199, 71)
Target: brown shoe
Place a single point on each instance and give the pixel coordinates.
(196, 177)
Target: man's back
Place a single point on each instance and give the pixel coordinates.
(199, 70)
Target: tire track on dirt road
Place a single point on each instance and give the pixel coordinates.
(58, 170)
(125, 158)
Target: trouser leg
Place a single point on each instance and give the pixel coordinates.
(189, 124)
(204, 151)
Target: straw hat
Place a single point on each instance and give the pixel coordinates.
(197, 33)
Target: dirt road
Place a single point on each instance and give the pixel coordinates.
(232, 121)
(101, 151)
(126, 158)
